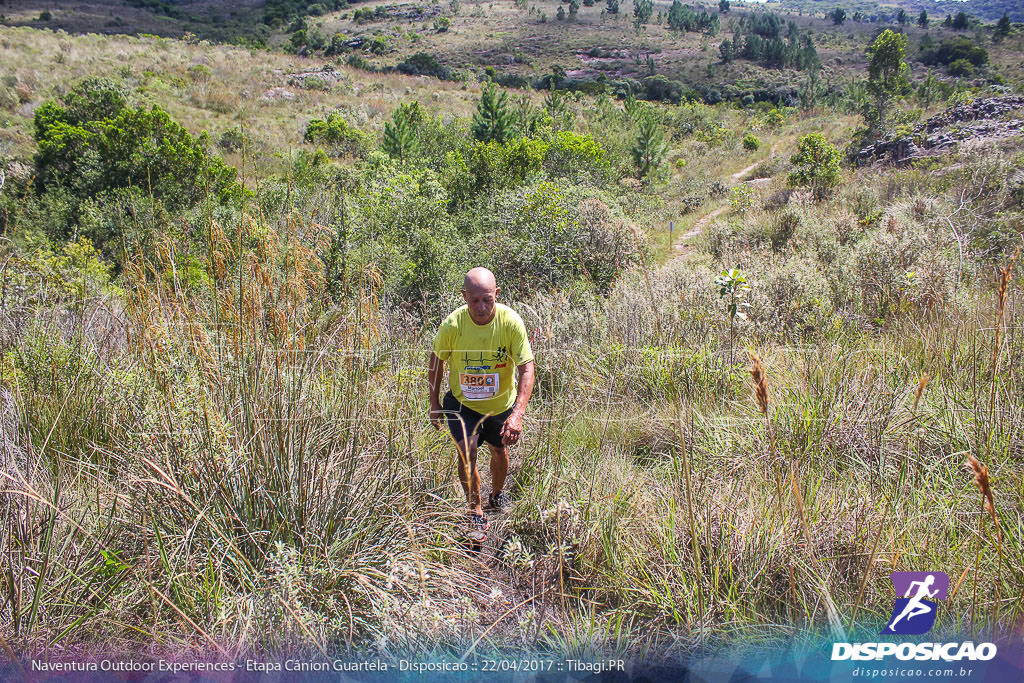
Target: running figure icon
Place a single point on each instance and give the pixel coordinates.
(915, 611)
(915, 607)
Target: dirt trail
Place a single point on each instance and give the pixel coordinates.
(683, 245)
(699, 226)
(738, 175)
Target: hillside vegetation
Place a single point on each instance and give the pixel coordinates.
(221, 268)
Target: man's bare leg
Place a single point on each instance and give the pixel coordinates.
(468, 474)
(499, 468)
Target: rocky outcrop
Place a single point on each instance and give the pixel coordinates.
(989, 118)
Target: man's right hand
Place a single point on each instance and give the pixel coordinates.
(436, 413)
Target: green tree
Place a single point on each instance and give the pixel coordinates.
(642, 10)
(649, 149)
(560, 14)
(902, 18)
(1003, 26)
(574, 8)
(613, 6)
(726, 50)
(961, 21)
(493, 120)
(887, 72)
(680, 17)
(817, 165)
(723, 6)
(401, 138)
(838, 16)
(922, 19)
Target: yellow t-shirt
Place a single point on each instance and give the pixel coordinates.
(482, 358)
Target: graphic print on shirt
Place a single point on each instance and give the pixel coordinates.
(475, 382)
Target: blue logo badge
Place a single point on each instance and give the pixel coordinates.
(914, 613)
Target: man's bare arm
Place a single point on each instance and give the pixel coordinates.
(525, 388)
(514, 424)
(434, 372)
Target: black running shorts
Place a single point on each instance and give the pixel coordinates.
(457, 415)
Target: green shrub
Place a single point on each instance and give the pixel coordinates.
(233, 140)
(496, 165)
(741, 198)
(337, 134)
(576, 154)
(817, 165)
(952, 49)
(338, 44)
(403, 229)
(960, 67)
(751, 142)
(380, 45)
(94, 142)
(424, 64)
(548, 236)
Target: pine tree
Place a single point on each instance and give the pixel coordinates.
(574, 8)
(493, 120)
(613, 6)
(922, 19)
(649, 148)
(1003, 26)
(401, 141)
(725, 48)
(560, 15)
(642, 10)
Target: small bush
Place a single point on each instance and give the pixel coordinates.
(337, 134)
(817, 165)
(751, 142)
(233, 140)
(741, 199)
(424, 64)
(379, 45)
(960, 67)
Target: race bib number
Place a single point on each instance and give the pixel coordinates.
(478, 387)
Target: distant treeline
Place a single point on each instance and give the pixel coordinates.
(769, 40)
(868, 11)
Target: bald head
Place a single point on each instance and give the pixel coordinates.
(480, 278)
(480, 291)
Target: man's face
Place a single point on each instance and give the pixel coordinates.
(480, 301)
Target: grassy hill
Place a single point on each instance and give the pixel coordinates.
(213, 348)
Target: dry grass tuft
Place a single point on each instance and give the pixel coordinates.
(984, 484)
(760, 383)
(921, 386)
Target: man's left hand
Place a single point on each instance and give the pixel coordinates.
(511, 429)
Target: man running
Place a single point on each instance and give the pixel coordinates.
(481, 342)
